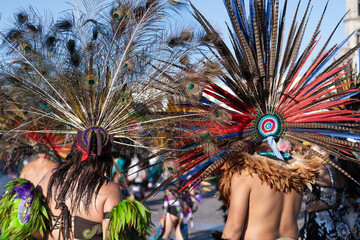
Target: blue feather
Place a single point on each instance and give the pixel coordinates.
(206, 101)
(324, 80)
(232, 135)
(205, 163)
(348, 96)
(327, 59)
(227, 84)
(236, 12)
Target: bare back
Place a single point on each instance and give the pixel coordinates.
(290, 213)
(258, 212)
(108, 197)
(36, 169)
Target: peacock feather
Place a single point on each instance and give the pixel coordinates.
(104, 67)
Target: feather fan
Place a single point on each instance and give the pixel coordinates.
(259, 90)
(101, 65)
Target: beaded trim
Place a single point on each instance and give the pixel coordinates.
(331, 176)
(285, 155)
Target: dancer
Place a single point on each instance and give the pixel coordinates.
(88, 76)
(351, 202)
(88, 212)
(257, 94)
(178, 211)
(122, 160)
(255, 209)
(45, 160)
(324, 215)
(243, 190)
(33, 153)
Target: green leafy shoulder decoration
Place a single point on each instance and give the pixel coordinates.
(128, 220)
(23, 211)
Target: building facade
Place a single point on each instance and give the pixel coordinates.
(352, 24)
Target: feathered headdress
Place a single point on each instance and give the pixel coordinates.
(93, 74)
(99, 76)
(260, 91)
(17, 146)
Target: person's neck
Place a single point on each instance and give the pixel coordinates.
(41, 157)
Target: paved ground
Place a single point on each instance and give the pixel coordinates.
(206, 220)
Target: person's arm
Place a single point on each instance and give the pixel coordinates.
(192, 193)
(194, 204)
(114, 198)
(239, 204)
(105, 223)
(330, 176)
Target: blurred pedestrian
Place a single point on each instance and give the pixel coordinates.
(324, 212)
(178, 209)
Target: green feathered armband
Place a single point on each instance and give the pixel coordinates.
(23, 210)
(129, 220)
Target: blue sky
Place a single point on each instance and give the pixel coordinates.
(214, 10)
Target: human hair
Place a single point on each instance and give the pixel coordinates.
(263, 147)
(79, 180)
(50, 154)
(42, 148)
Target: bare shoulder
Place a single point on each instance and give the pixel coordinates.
(28, 167)
(112, 194)
(245, 179)
(252, 183)
(44, 182)
(329, 175)
(24, 171)
(241, 183)
(110, 187)
(294, 195)
(50, 164)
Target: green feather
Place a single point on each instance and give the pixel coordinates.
(10, 226)
(129, 219)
